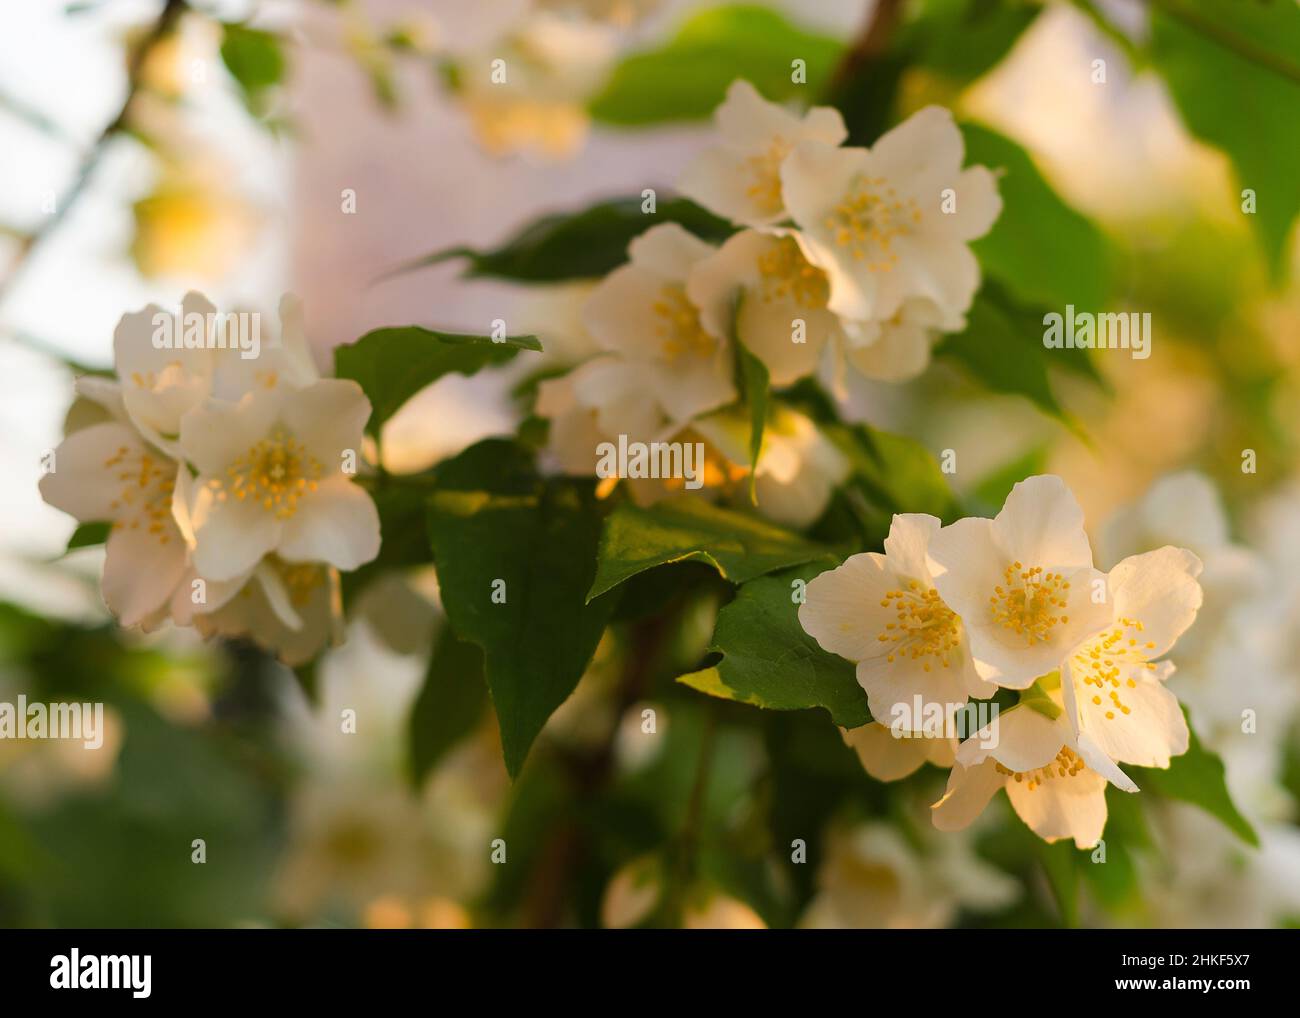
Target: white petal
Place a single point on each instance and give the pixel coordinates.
(230, 535)
(1041, 524)
(329, 418)
(1158, 589)
(842, 606)
(214, 434)
(883, 756)
(337, 523)
(1072, 807)
(668, 250)
(969, 791)
(85, 482)
(141, 570)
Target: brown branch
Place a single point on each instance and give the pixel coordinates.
(166, 21)
(871, 42)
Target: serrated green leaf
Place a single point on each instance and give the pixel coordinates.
(492, 518)
(686, 528)
(449, 705)
(393, 364)
(687, 77)
(769, 661)
(1197, 777)
(1040, 249)
(578, 245)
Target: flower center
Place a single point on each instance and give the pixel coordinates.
(145, 498)
(765, 168)
(678, 325)
(788, 275)
(1027, 604)
(276, 472)
(1067, 764)
(869, 218)
(923, 626)
(1099, 663)
(301, 579)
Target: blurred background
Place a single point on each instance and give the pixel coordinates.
(248, 149)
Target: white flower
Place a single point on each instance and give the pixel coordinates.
(271, 479)
(872, 877)
(161, 383)
(884, 613)
(896, 348)
(798, 467)
(740, 178)
(1023, 582)
(886, 757)
(875, 220)
(292, 610)
(1056, 783)
(107, 473)
(641, 311)
(1114, 690)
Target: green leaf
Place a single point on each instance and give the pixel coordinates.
(450, 703)
(899, 474)
(963, 39)
(1040, 249)
(1058, 862)
(1234, 73)
(687, 77)
(88, 534)
(393, 364)
(738, 546)
(769, 661)
(992, 489)
(578, 245)
(1003, 349)
(1197, 777)
(492, 518)
(254, 59)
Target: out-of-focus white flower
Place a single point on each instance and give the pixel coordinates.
(1114, 687)
(1056, 783)
(875, 219)
(798, 467)
(529, 90)
(1021, 582)
(642, 312)
(886, 757)
(884, 613)
(272, 478)
(107, 473)
(740, 178)
(873, 878)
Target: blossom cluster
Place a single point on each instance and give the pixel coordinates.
(844, 258)
(227, 480)
(949, 613)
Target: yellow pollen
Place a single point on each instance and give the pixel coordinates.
(924, 626)
(1066, 765)
(765, 169)
(868, 219)
(788, 275)
(679, 326)
(144, 500)
(275, 473)
(1027, 604)
(1101, 661)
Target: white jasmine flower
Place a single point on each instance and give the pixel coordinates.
(1113, 688)
(160, 383)
(886, 757)
(884, 613)
(1023, 582)
(271, 479)
(873, 878)
(641, 311)
(740, 178)
(875, 219)
(1055, 781)
(106, 472)
(290, 609)
(798, 467)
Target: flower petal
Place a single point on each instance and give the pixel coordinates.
(337, 523)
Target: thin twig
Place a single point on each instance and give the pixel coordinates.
(171, 11)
